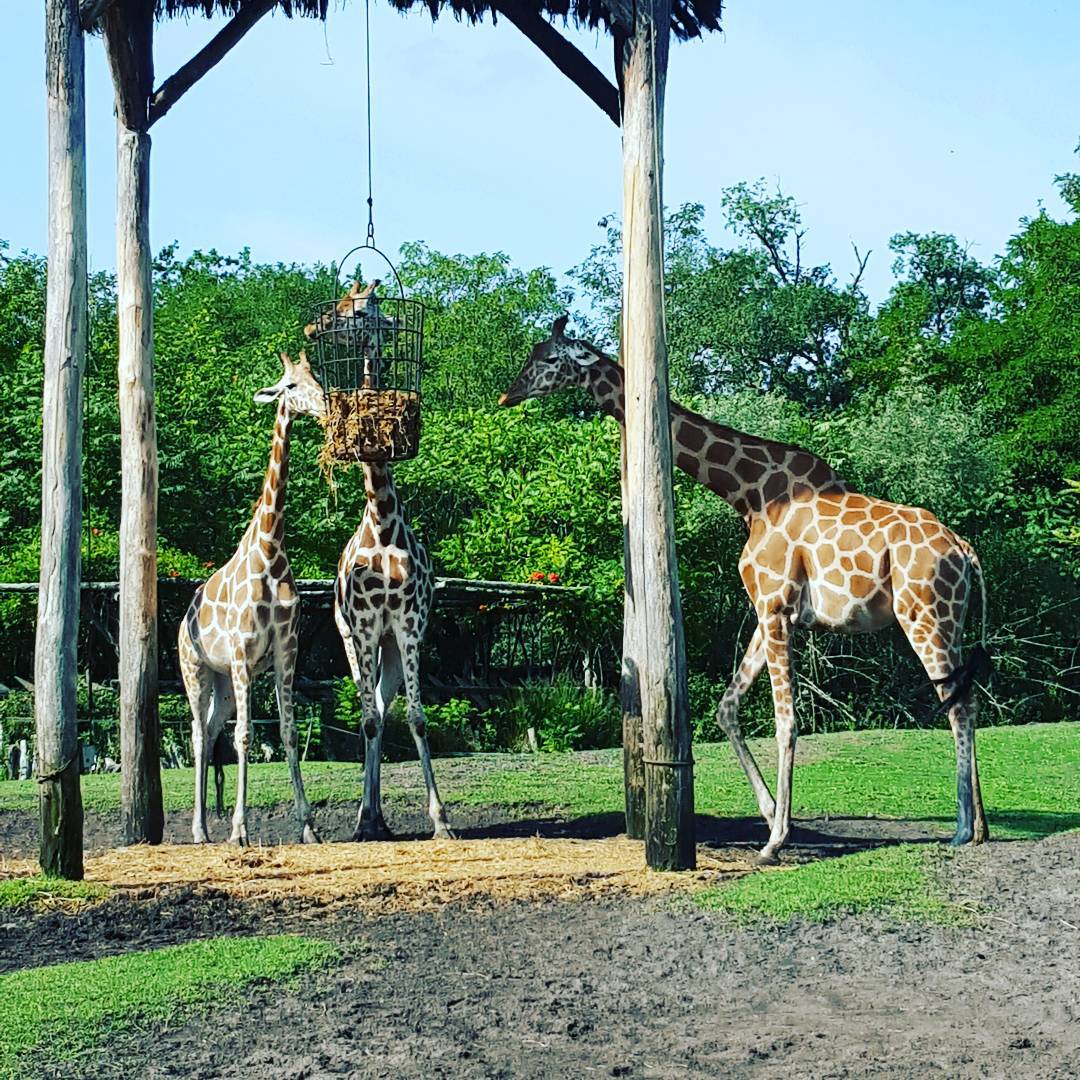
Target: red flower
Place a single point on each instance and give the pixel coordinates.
(174, 573)
(553, 578)
(208, 565)
(537, 575)
(482, 607)
(95, 531)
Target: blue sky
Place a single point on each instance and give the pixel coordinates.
(877, 117)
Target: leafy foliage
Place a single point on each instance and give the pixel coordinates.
(961, 392)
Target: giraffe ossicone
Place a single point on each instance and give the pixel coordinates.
(244, 619)
(819, 555)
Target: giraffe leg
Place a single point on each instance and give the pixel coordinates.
(410, 661)
(241, 680)
(370, 824)
(217, 759)
(982, 830)
(727, 716)
(222, 710)
(198, 682)
(778, 656)
(284, 672)
(933, 639)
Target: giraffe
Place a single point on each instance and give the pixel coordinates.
(244, 618)
(819, 555)
(350, 309)
(382, 598)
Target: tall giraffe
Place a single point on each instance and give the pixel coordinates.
(382, 599)
(819, 555)
(245, 617)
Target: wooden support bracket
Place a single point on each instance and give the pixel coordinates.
(175, 86)
(567, 57)
(92, 10)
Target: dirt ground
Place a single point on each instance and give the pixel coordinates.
(641, 987)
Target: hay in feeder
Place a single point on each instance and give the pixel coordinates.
(370, 425)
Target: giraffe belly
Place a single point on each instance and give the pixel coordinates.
(826, 608)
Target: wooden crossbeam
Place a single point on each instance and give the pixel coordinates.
(175, 86)
(567, 57)
(92, 10)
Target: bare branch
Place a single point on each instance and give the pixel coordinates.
(174, 87)
(573, 63)
(861, 260)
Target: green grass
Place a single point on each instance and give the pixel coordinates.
(40, 891)
(897, 881)
(1030, 779)
(332, 781)
(65, 1010)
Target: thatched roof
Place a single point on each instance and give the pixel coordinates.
(689, 18)
(170, 9)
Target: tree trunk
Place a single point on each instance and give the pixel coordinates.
(129, 29)
(139, 728)
(55, 656)
(656, 664)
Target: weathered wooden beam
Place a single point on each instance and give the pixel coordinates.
(128, 28)
(569, 59)
(141, 801)
(175, 86)
(55, 659)
(654, 663)
(92, 10)
(129, 45)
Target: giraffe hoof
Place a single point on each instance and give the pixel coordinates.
(239, 838)
(201, 838)
(768, 858)
(309, 835)
(372, 830)
(444, 832)
(960, 839)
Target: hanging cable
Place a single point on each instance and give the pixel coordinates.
(367, 69)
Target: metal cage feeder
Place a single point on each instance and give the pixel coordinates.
(367, 351)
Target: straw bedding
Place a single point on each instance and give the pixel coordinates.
(370, 425)
(407, 875)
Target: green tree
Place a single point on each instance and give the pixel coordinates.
(754, 317)
(939, 288)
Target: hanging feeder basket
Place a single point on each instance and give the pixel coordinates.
(367, 352)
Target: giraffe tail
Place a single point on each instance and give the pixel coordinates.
(979, 665)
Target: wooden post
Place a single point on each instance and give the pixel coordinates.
(55, 655)
(655, 665)
(128, 28)
(633, 749)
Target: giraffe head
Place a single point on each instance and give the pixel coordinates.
(552, 365)
(297, 387)
(351, 306)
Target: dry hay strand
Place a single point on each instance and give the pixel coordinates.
(369, 425)
(417, 875)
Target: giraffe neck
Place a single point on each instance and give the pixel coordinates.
(736, 466)
(268, 523)
(383, 503)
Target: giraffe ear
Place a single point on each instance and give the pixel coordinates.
(355, 290)
(558, 327)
